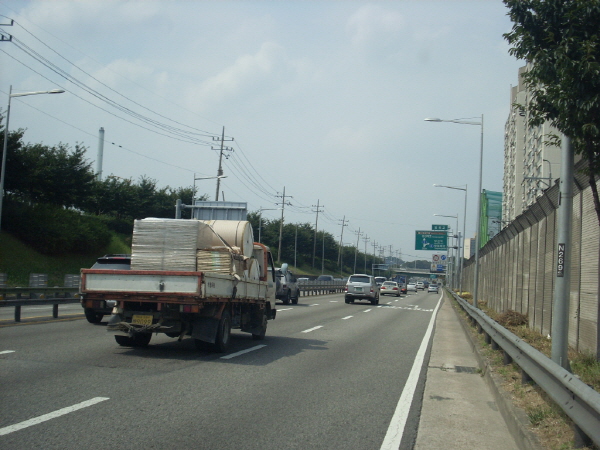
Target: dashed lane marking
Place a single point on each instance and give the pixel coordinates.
(242, 352)
(53, 415)
(312, 329)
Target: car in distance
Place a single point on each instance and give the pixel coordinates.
(433, 288)
(403, 288)
(380, 280)
(390, 288)
(326, 278)
(420, 285)
(287, 288)
(361, 287)
(104, 308)
(411, 287)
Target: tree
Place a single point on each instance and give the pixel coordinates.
(561, 40)
(37, 173)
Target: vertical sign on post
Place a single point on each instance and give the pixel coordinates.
(560, 263)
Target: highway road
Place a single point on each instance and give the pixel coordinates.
(329, 375)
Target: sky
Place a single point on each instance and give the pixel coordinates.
(325, 99)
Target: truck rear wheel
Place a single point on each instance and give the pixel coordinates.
(286, 299)
(260, 336)
(139, 340)
(223, 333)
(296, 297)
(92, 316)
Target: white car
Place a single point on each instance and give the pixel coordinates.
(433, 288)
(420, 285)
(411, 287)
(390, 287)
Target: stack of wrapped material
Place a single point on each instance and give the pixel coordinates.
(220, 259)
(219, 246)
(164, 244)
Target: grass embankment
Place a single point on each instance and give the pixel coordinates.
(552, 426)
(18, 260)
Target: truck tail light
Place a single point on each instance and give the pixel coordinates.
(189, 308)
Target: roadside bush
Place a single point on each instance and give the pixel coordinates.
(53, 230)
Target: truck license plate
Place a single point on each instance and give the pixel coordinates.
(141, 319)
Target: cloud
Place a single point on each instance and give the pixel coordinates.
(372, 25)
(261, 75)
(114, 73)
(70, 13)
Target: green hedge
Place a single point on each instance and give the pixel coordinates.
(52, 230)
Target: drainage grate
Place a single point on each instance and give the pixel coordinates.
(465, 369)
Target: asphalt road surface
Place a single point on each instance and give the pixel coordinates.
(329, 375)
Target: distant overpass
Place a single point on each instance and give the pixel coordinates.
(424, 273)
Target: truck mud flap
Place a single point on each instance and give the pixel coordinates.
(205, 329)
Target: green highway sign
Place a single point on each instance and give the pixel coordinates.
(431, 240)
(440, 227)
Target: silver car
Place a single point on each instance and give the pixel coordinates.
(390, 287)
(361, 287)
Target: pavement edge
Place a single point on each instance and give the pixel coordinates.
(515, 418)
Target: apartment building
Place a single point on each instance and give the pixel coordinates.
(531, 162)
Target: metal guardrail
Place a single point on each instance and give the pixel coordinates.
(20, 296)
(313, 287)
(579, 401)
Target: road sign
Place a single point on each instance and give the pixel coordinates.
(440, 227)
(437, 268)
(436, 258)
(431, 240)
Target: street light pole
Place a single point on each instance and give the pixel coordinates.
(218, 177)
(478, 225)
(5, 145)
(462, 247)
(453, 275)
(260, 220)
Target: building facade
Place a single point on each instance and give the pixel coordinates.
(531, 161)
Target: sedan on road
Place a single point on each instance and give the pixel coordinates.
(391, 288)
(411, 287)
(433, 288)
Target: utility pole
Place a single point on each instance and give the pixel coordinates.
(344, 224)
(366, 239)
(562, 278)
(323, 254)
(374, 244)
(283, 203)
(358, 235)
(315, 237)
(220, 170)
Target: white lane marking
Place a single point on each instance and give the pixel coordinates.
(395, 431)
(241, 352)
(284, 309)
(53, 415)
(4, 352)
(347, 317)
(366, 310)
(333, 301)
(314, 304)
(312, 329)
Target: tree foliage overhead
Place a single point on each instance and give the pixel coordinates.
(561, 40)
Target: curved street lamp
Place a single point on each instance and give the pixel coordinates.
(454, 268)
(462, 250)
(5, 146)
(478, 226)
